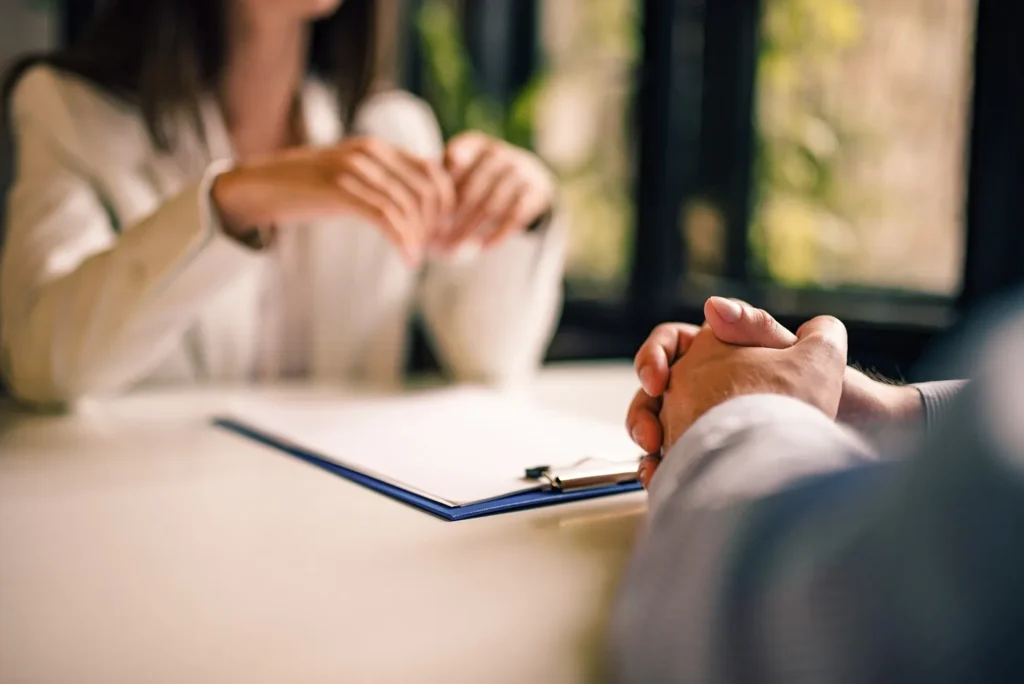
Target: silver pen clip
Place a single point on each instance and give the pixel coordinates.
(584, 474)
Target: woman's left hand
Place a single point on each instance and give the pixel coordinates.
(500, 189)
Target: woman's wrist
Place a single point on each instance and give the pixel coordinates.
(541, 221)
(227, 194)
(224, 193)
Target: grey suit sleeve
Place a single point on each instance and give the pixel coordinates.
(778, 550)
(738, 452)
(937, 398)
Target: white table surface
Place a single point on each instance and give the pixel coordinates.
(140, 544)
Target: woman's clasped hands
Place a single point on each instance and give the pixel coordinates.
(481, 192)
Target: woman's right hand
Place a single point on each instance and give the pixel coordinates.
(405, 196)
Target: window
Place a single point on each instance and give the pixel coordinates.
(590, 48)
(862, 115)
(856, 157)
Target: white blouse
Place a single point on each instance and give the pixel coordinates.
(114, 273)
(284, 334)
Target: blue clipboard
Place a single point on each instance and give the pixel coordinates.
(513, 502)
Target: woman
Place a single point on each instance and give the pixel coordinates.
(208, 190)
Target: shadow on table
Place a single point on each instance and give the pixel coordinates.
(608, 530)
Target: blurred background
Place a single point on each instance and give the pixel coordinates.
(854, 157)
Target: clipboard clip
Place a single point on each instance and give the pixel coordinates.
(584, 474)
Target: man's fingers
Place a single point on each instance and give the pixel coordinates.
(646, 470)
(822, 347)
(664, 345)
(642, 421)
(824, 334)
(736, 322)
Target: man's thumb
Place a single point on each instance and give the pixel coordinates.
(735, 322)
(824, 334)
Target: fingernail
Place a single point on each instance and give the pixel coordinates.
(647, 378)
(637, 434)
(641, 474)
(729, 310)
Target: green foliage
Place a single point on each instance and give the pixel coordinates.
(45, 5)
(800, 141)
(451, 86)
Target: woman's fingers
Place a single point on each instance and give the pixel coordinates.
(444, 188)
(479, 183)
(486, 190)
(430, 188)
(421, 188)
(406, 180)
(526, 208)
(642, 421)
(380, 208)
(377, 174)
(463, 152)
(499, 200)
(500, 188)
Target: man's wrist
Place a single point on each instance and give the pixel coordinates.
(867, 402)
(905, 404)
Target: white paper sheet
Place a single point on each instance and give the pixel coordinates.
(455, 446)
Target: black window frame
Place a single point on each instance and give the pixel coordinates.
(74, 19)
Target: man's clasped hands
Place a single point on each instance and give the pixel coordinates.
(686, 371)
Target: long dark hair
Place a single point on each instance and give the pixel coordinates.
(163, 55)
